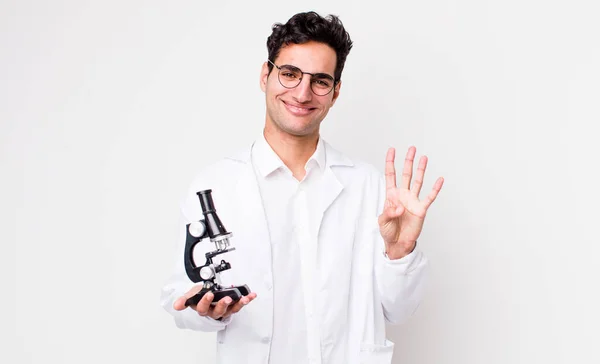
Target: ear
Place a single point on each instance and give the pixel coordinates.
(336, 92)
(264, 75)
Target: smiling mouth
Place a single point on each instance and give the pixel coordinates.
(298, 110)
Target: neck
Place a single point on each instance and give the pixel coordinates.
(293, 150)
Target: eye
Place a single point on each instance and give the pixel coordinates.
(322, 82)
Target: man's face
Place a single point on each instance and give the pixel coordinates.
(298, 111)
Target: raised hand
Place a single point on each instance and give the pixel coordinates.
(401, 221)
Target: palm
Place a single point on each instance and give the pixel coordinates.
(402, 220)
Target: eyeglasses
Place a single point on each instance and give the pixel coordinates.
(290, 76)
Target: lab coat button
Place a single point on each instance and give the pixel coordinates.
(266, 340)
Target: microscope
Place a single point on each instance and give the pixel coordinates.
(209, 227)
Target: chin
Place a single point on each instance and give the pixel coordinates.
(302, 130)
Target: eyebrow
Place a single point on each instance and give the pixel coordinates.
(316, 74)
(323, 75)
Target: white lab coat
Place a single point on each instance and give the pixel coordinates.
(357, 289)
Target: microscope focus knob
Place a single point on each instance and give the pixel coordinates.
(206, 272)
(197, 229)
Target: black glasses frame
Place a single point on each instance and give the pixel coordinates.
(325, 75)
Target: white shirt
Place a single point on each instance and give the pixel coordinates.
(287, 203)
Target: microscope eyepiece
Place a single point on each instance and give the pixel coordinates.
(214, 225)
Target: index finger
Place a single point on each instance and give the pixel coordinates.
(390, 169)
(203, 306)
(408, 167)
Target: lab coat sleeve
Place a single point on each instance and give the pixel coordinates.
(401, 282)
(178, 284)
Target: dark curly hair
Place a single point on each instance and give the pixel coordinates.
(310, 26)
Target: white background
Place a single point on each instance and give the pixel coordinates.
(108, 108)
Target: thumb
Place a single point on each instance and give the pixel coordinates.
(391, 213)
(179, 303)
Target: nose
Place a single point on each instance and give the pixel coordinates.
(303, 93)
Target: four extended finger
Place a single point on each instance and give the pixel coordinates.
(390, 169)
(434, 192)
(419, 176)
(408, 167)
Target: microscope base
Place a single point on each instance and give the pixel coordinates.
(236, 293)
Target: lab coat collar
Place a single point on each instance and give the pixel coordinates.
(330, 156)
(267, 161)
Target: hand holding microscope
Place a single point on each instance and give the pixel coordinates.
(210, 227)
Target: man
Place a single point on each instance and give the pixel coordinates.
(327, 245)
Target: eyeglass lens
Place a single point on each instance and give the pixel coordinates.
(291, 77)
